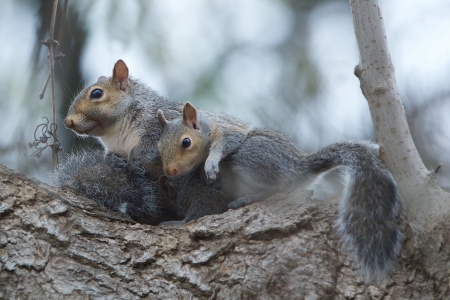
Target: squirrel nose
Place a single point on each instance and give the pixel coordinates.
(68, 122)
(171, 170)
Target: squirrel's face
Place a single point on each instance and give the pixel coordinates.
(181, 148)
(99, 106)
(92, 111)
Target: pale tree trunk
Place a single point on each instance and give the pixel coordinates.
(427, 203)
(57, 245)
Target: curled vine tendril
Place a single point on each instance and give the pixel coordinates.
(47, 132)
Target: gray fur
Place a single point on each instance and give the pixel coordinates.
(191, 199)
(141, 109)
(370, 208)
(228, 137)
(109, 182)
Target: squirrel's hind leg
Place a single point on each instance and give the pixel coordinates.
(249, 199)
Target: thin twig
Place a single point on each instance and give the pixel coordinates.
(62, 26)
(438, 168)
(47, 131)
(62, 29)
(44, 87)
(54, 47)
(57, 47)
(52, 71)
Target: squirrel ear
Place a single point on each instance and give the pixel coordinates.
(120, 76)
(162, 120)
(102, 79)
(190, 115)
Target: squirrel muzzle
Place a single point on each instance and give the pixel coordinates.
(80, 125)
(171, 170)
(68, 123)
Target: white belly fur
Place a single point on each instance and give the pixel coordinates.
(121, 138)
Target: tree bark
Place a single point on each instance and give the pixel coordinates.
(427, 203)
(57, 245)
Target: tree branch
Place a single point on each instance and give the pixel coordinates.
(55, 54)
(427, 203)
(52, 76)
(57, 245)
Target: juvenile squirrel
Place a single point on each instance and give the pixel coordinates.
(189, 198)
(120, 112)
(266, 162)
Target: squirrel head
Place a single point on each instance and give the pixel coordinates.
(100, 105)
(182, 145)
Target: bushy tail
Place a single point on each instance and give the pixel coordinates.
(108, 181)
(370, 208)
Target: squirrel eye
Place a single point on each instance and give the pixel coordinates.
(97, 93)
(186, 143)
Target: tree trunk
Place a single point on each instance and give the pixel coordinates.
(57, 245)
(427, 203)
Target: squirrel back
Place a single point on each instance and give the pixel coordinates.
(266, 162)
(120, 112)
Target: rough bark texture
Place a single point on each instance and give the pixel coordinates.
(427, 203)
(57, 245)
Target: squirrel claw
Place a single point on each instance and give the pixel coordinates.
(210, 176)
(211, 169)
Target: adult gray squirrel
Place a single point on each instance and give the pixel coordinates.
(264, 162)
(119, 112)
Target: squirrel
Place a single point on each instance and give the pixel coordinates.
(189, 198)
(120, 112)
(266, 162)
(109, 182)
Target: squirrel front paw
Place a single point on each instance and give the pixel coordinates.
(211, 169)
